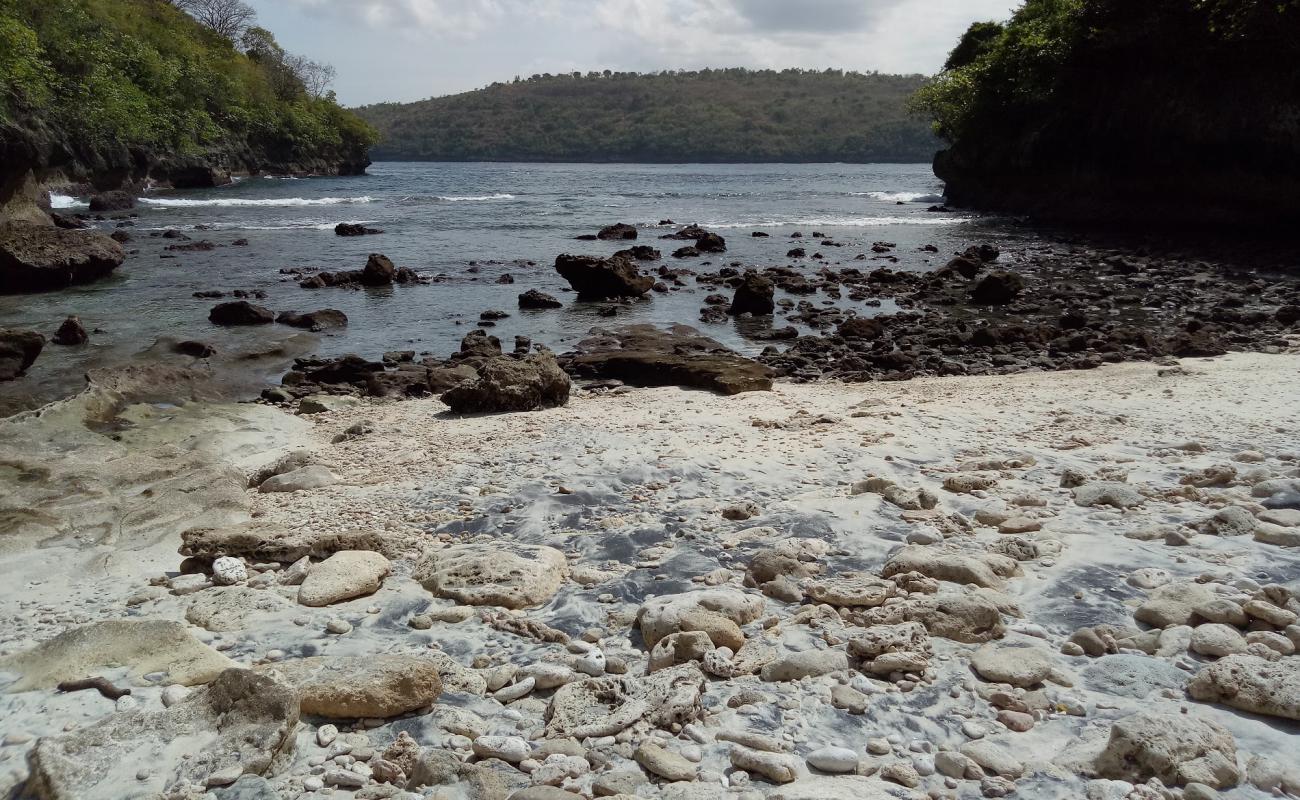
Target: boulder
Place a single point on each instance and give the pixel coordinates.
(943, 563)
(314, 320)
(1253, 684)
(500, 574)
(111, 201)
(435, 767)
(354, 229)
(536, 301)
(18, 351)
(360, 687)
(718, 612)
(241, 724)
(1173, 604)
(1108, 493)
(343, 576)
(643, 355)
(71, 333)
(619, 230)
(997, 288)
(1176, 748)
(313, 476)
(142, 647)
(36, 258)
(240, 312)
(602, 278)
(379, 271)
(754, 296)
(507, 383)
(1022, 667)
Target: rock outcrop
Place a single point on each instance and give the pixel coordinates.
(643, 355)
(506, 384)
(37, 258)
(603, 278)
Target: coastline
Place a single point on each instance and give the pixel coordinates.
(656, 492)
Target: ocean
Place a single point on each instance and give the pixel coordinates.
(469, 225)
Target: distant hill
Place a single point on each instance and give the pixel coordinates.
(722, 115)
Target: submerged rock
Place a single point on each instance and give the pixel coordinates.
(71, 333)
(36, 258)
(602, 278)
(240, 724)
(240, 312)
(18, 351)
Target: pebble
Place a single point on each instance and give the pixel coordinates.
(833, 759)
(228, 571)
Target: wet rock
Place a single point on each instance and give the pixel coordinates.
(537, 300)
(503, 574)
(602, 278)
(240, 312)
(343, 576)
(354, 229)
(240, 724)
(643, 355)
(1177, 749)
(18, 351)
(314, 320)
(606, 706)
(194, 349)
(509, 384)
(754, 296)
(223, 609)
(37, 258)
(1250, 683)
(361, 687)
(141, 646)
(71, 333)
(619, 230)
(997, 288)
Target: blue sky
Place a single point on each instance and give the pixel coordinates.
(411, 49)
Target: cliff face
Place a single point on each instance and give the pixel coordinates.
(1110, 111)
(168, 103)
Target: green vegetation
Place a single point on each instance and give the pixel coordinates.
(1198, 98)
(94, 78)
(723, 115)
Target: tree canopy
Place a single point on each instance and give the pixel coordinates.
(722, 115)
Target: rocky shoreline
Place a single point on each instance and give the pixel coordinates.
(1043, 584)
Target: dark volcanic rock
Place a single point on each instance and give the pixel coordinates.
(602, 278)
(379, 271)
(350, 229)
(618, 231)
(643, 355)
(754, 296)
(314, 320)
(38, 257)
(641, 252)
(240, 312)
(711, 243)
(997, 288)
(71, 332)
(861, 328)
(507, 384)
(18, 351)
(194, 349)
(534, 299)
(111, 201)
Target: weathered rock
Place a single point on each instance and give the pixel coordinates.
(378, 271)
(754, 296)
(506, 384)
(1108, 493)
(257, 542)
(602, 278)
(810, 663)
(343, 576)
(1173, 604)
(1177, 749)
(619, 231)
(302, 479)
(989, 570)
(1217, 640)
(314, 320)
(1253, 684)
(18, 351)
(354, 229)
(664, 763)
(643, 355)
(361, 687)
(537, 300)
(498, 574)
(843, 787)
(241, 723)
(1130, 675)
(240, 312)
(1023, 667)
(36, 258)
(142, 646)
(997, 288)
(71, 333)
(706, 609)
(434, 767)
(775, 767)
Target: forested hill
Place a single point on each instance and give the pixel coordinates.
(723, 115)
(1178, 111)
(112, 92)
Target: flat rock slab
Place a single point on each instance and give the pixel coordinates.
(229, 608)
(140, 646)
(36, 258)
(1132, 675)
(495, 574)
(989, 570)
(643, 355)
(241, 723)
(343, 576)
(257, 542)
(374, 687)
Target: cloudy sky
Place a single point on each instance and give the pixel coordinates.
(412, 49)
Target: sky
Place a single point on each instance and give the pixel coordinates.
(403, 50)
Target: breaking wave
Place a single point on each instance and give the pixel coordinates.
(231, 202)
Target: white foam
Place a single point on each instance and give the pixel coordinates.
(274, 226)
(66, 201)
(902, 197)
(231, 202)
(841, 222)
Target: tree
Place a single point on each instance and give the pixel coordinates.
(230, 18)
